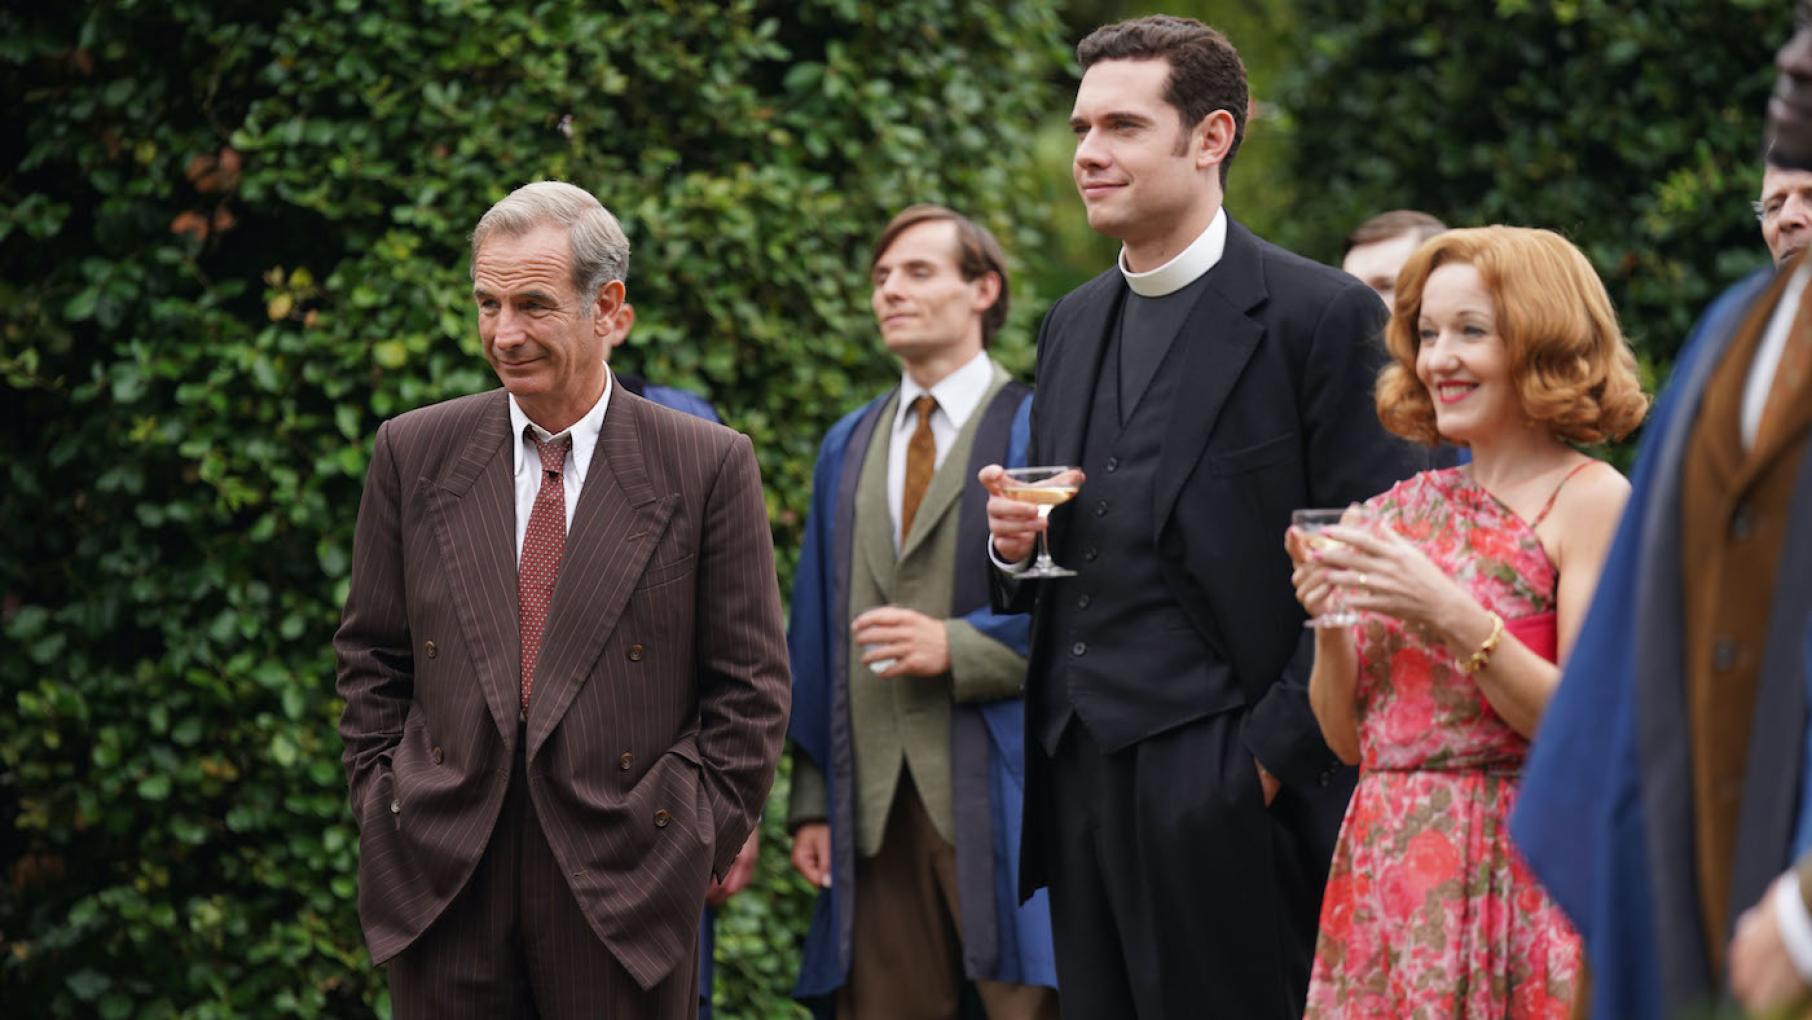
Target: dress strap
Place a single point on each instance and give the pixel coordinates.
(1552, 496)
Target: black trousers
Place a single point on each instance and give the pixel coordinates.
(1175, 892)
(514, 944)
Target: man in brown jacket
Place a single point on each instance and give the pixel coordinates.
(562, 657)
(1661, 798)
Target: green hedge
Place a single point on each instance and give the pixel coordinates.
(1632, 126)
(232, 242)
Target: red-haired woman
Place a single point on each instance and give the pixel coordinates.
(1472, 583)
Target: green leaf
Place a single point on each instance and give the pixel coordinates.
(390, 353)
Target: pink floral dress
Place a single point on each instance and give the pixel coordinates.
(1429, 910)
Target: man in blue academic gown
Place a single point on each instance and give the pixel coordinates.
(1661, 796)
(907, 723)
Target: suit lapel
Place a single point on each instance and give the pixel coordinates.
(952, 476)
(474, 505)
(1777, 736)
(874, 518)
(1216, 340)
(616, 525)
(1072, 393)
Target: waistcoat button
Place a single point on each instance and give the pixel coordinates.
(1724, 653)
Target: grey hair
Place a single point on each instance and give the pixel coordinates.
(598, 247)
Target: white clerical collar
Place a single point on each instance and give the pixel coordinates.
(957, 394)
(1188, 266)
(584, 432)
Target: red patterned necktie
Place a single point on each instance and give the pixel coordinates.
(542, 547)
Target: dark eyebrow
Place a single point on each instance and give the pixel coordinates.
(1079, 122)
(1126, 115)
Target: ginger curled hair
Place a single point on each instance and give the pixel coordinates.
(1572, 369)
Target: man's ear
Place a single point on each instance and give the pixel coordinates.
(987, 291)
(619, 334)
(607, 312)
(1215, 139)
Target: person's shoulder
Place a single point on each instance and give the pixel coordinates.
(664, 424)
(1103, 287)
(447, 418)
(1301, 279)
(1597, 485)
(680, 400)
(1591, 502)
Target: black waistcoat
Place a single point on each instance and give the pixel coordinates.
(1118, 637)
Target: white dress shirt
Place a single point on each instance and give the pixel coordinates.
(958, 395)
(1768, 354)
(527, 459)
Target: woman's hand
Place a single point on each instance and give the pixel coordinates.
(1382, 572)
(1309, 575)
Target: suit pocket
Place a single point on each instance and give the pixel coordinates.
(658, 574)
(1275, 450)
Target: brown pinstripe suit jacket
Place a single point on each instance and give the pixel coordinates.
(661, 693)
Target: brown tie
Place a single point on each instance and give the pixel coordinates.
(921, 464)
(1790, 374)
(542, 546)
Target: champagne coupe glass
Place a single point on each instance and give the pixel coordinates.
(1311, 522)
(1044, 488)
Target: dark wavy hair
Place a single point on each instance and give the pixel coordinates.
(1206, 73)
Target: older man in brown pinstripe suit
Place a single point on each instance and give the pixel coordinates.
(562, 657)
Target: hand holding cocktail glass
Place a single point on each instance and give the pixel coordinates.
(1019, 509)
(1324, 600)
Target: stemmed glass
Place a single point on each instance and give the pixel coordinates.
(1311, 522)
(1044, 488)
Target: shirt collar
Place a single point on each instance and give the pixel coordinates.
(957, 394)
(584, 432)
(1187, 267)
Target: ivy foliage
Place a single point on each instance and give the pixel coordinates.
(1633, 127)
(232, 241)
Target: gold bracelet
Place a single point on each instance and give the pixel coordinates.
(1477, 660)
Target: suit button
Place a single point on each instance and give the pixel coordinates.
(396, 807)
(1724, 653)
(1078, 649)
(437, 755)
(661, 818)
(625, 761)
(1113, 464)
(1090, 553)
(1101, 508)
(1082, 601)
(1742, 523)
(635, 653)
(429, 648)
(1325, 778)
